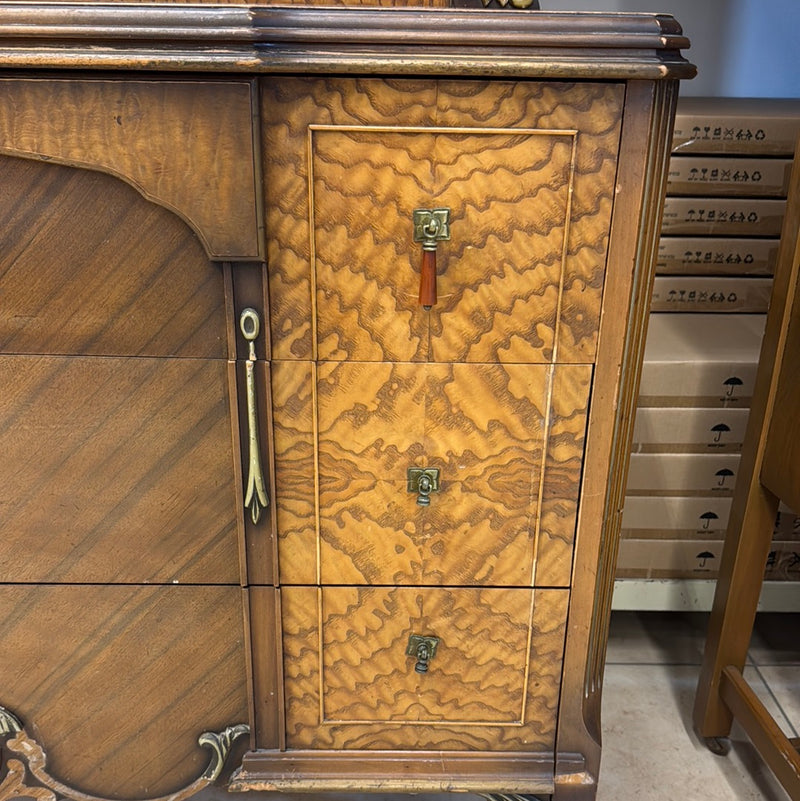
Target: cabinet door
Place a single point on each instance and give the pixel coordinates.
(115, 414)
(122, 630)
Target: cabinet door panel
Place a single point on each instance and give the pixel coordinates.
(117, 683)
(493, 682)
(88, 266)
(116, 470)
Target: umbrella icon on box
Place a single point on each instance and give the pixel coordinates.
(708, 517)
(703, 555)
(731, 383)
(723, 474)
(719, 428)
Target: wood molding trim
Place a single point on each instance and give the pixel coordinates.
(341, 39)
(454, 771)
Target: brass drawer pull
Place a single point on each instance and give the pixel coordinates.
(423, 481)
(256, 497)
(423, 649)
(431, 226)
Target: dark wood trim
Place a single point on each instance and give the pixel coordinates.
(644, 150)
(400, 771)
(264, 39)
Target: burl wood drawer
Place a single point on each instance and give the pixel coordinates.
(507, 439)
(527, 172)
(493, 682)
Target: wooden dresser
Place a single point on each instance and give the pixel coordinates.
(320, 330)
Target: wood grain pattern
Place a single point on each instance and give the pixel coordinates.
(116, 470)
(294, 440)
(563, 473)
(87, 266)
(520, 241)
(186, 145)
(117, 683)
(484, 426)
(472, 696)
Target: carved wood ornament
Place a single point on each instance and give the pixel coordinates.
(27, 776)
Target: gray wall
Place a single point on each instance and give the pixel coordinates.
(742, 48)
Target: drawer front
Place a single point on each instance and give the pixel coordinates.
(116, 470)
(507, 441)
(527, 171)
(492, 682)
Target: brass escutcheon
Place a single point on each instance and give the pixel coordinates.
(431, 226)
(423, 481)
(423, 648)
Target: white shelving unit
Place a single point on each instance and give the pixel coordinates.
(695, 595)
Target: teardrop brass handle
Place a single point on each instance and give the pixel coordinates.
(431, 226)
(256, 497)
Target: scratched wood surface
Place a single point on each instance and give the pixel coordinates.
(521, 278)
(186, 145)
(484, 426)
(485, 689)
(117, 683)
(87, 266)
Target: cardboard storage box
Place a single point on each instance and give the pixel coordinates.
(783, 562)
(701, 360)
(787, 524)
(696, 559)
(694, 474)
(767, 127)
(675, 516)
(684, 255)
(711, 294)
(728, 176)
(714, 216)
(668, 558)
(688, 430)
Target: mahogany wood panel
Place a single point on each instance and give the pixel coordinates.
(117, 683)
(644, 153)
(88, 266)
(344, 268)
(361, 425)
(116, 470)
(187, 145)
(489, 687)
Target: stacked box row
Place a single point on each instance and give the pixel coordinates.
(726, 196)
